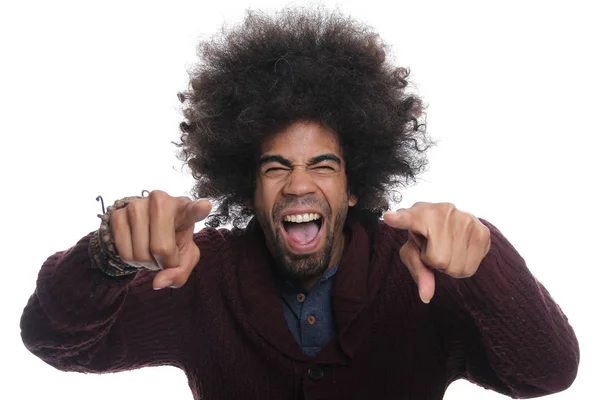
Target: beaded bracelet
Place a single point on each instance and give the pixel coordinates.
(102, 248)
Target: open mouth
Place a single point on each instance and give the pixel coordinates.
(302, 231)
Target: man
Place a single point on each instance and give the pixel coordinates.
(298, 127)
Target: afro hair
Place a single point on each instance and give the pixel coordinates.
(299, 64)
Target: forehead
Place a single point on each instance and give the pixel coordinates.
(302, 139)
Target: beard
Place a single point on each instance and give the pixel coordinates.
(300, 268)
(303, 268)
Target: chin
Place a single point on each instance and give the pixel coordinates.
(301, 267)
(304, 266)
(301, 239)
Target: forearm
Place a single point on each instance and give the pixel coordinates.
(526, 339)
(80, 319)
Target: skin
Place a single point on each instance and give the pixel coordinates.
(301, 169)
(156, 232)
(440, 238)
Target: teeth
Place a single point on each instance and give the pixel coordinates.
(302, 217)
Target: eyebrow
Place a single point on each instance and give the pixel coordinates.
(325, 157)
(276, 158)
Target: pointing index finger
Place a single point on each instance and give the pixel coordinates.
(401, 218)
(193, 212)
(406, 218)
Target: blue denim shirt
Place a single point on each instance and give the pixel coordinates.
(309, 315)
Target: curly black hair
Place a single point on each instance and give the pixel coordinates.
(255, 79)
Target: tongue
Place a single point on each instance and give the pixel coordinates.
(303, 232)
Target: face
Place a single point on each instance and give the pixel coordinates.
(301, 199)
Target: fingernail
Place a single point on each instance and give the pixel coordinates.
(163, 284)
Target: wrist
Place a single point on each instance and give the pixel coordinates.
(103, 251)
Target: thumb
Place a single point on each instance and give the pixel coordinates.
(423, 276)
(178, 276)
(400, 219)
(194, 211)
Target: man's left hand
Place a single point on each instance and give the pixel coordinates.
(440, 237)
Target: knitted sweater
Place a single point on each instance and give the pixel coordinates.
(225, 327)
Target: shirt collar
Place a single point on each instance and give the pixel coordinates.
(357, 280)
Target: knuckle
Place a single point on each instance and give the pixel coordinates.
(140, 256)
(157, 199)
(484, 233)
(470, 272)
(469, 225)
(462, 274)
(458, 271)
(437, 261)
(447, 208)
(481, 234)
(152, 266)
(161, 250)
(136, 215)
(135, 209)
(466, 272)
(158, 194)
(159, 202)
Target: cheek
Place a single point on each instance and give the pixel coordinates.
(335, 191)
(264, 197)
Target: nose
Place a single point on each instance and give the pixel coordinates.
(299, 183)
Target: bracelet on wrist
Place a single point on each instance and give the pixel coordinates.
(103, 251)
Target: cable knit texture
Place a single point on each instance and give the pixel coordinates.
(226, 329)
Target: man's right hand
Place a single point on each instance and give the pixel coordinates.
(156, 232)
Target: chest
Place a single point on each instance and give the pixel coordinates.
(391, 349)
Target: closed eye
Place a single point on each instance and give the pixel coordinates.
(276, 172)
(324, 169)
(274, 169)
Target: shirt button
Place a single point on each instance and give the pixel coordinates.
(315, 372)
(311, 319)
(300, 297)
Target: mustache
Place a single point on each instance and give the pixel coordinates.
(300, 203)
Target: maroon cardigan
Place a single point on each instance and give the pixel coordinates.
(225, 328)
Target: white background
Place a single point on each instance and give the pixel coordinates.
(88, 106)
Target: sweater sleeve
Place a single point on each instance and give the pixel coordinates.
(512, 337)
(80, 319)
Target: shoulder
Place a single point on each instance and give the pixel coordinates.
(213, 236)
(382, 241)
(213, 240)
(385, 237)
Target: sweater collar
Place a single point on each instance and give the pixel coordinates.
(357, 280)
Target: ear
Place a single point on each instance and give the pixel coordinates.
(352, 200)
